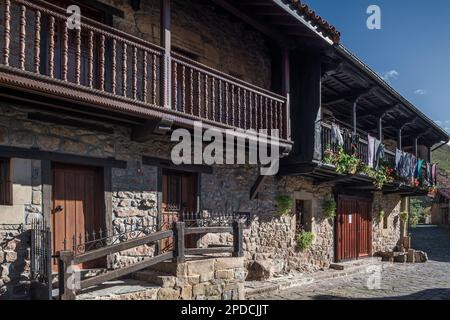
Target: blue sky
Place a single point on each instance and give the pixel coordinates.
(412, 49)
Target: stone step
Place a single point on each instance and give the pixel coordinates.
(155, 277)
(355, 263)
(125, 289)
(254, 289)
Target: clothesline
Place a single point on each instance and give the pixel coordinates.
(406, 165)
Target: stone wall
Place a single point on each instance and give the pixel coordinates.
(205, 279)
(204, 32)
(14, 263)
(386, 239)
(270, 242)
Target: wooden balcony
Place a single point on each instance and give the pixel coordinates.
(362, 145)
(361, 151)
(108, 69)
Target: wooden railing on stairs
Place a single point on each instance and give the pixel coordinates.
(71, 285)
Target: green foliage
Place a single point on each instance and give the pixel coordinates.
(404, 216)
(305, 240)
(420, 208)
(346, 163)
(329, 208)
(442, 156)
(380, 215)
(381, 176)
(284, 204)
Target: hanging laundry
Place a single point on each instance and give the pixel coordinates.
(371, 151)
(418, 171)
(407, 165)
(428, 175)
(398, 160)
(336, 135)
(434, 174)
(379, 154)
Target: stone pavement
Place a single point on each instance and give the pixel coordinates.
(421, 281)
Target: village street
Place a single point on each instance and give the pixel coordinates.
(429, 281)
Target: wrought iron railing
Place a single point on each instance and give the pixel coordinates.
(41, 258)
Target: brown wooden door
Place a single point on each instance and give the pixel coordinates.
(78, 207)
(354, 228)
(179, 195)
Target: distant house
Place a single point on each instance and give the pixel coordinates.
(441, 208)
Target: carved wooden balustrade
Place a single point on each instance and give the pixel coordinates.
(105, 67)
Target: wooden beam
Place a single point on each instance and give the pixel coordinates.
(166, 43)
(35, 153)
(350, 96)
(277, 37)
(144, 133)
(286, 87)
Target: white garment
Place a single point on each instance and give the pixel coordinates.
(371, 151)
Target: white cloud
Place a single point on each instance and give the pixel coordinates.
(420, 92)
(438, 122)
(390, 75)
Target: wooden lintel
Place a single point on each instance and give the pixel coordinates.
(145, 132)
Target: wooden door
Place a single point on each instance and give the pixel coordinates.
(354, 228)
(78, 207)
(179, 195)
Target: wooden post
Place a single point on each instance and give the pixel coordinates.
(380, 128)
(65, 265)
(286, 77)
(238, 235)
(416, 149)
(179, 242)
(354, 123)
(166, 88)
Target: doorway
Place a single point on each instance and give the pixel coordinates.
(77, 208)
(354, 228)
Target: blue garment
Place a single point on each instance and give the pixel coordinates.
(407, 166)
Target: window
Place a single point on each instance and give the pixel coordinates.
(303, 215)
(5, 183)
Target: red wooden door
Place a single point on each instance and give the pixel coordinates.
(77, 207)
(354, 228)
(179, 195)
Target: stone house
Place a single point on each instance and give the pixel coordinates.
(87, 116)
(440, 209)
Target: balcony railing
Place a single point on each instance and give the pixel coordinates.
(38, 44)
(213, 95)
(361, 150)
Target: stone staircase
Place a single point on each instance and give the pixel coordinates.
(254, 289)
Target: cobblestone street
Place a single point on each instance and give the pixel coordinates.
(398, 281)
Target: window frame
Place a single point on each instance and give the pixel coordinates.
(6, 195)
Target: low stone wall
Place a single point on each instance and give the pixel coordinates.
(14, 264)
(205, 279)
